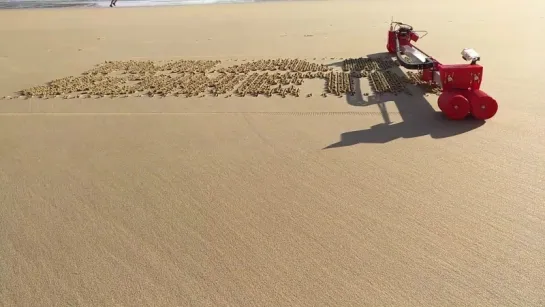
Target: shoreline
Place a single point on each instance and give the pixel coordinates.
(48, 5)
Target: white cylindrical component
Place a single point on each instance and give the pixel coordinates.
(469, 54)
(437, 78)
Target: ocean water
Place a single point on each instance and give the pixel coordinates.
(30, 4)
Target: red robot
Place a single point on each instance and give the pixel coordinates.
(460, 83)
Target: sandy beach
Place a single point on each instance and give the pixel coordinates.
(269, 201)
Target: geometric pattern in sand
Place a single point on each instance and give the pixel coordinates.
(199, 78)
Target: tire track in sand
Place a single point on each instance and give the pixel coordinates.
(272, 113)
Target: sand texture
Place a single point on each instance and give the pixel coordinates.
(267, 155)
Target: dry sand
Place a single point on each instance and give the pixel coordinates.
(234, 201)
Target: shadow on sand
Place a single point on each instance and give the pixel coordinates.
(418, 117)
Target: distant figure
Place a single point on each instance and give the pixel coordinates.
(112, 4)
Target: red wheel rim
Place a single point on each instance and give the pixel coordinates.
(454, 106)
(484, 107)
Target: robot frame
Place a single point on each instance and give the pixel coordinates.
(460, 84)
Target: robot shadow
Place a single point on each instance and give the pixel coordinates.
(419, 118)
